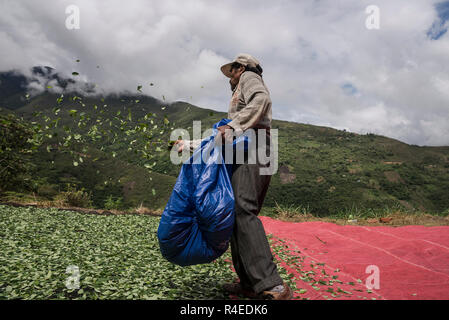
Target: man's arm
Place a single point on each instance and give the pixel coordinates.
(191, 144)
(257, 101)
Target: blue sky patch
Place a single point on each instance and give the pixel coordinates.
(439, 28)
(349, 89)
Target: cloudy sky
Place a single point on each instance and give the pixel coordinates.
(322, 64)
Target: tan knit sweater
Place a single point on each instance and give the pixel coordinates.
(250, 106)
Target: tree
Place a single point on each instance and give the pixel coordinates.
(18, 140)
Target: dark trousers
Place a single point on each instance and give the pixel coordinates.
(251, 253)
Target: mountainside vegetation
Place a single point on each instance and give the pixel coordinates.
(321, 170)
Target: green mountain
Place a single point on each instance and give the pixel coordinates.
(323, 169)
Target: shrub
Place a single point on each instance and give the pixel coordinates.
(74, 197)
(292, 211)
(47, 190)
(110, 203)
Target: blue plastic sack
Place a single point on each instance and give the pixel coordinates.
(196, 225)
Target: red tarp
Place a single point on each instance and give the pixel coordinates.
(412, 261)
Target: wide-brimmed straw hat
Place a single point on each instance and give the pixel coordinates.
(242, 58)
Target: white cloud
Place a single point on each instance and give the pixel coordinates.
(309, 51)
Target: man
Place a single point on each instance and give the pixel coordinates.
(250, 108)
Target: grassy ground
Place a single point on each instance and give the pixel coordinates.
(392, 216)
(60, 202)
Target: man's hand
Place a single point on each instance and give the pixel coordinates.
(180, 144)
(222, 130)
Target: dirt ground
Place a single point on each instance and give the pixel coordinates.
(139, 210)
(394, 219)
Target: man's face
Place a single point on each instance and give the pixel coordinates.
(235, 76)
